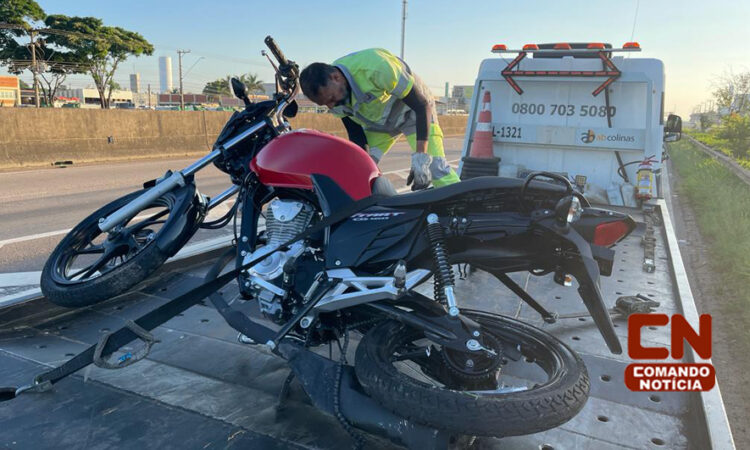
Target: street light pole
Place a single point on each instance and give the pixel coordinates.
(34, 69)
(182, 94)
(403, 28)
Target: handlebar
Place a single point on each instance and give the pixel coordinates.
(287, 75)
(276, 51)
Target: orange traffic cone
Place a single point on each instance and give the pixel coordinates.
(481, 147)
(481, 160)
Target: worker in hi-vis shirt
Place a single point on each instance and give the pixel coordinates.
(378, 98)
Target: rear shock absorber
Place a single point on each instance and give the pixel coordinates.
(444, 279)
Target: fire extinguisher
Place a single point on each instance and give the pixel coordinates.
(645, 179)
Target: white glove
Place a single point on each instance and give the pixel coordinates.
(420, 171)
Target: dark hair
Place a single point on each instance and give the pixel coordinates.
(314, 77)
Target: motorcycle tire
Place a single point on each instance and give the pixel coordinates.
(142, 254)
(539, 408)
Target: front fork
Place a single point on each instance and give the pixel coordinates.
(175, 179)
(162, 187)
(250, 202)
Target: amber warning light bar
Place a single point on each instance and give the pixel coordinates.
(563, 46)
(609, 70)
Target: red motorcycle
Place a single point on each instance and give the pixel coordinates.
(425, 358)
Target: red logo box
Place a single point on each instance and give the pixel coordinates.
(669, 376)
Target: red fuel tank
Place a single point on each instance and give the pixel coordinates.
(290, 159)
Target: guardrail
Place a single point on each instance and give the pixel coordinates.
(727, 161)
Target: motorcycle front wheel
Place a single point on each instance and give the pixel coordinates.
(89, 266)
(526, 382)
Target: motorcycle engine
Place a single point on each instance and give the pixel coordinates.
(265, 280)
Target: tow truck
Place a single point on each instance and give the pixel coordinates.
(595, 114)
(588, 111)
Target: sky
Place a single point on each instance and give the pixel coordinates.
(445, 40)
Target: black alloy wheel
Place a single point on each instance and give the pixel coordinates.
(521, 381)
(89, 266)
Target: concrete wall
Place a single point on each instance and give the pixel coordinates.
(39, 137)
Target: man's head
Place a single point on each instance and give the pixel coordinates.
(324, 84)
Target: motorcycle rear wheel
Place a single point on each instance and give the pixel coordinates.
(89, 266)
(417, 395)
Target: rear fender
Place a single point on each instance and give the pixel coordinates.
(581, 264)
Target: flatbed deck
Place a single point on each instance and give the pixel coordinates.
(201, 388)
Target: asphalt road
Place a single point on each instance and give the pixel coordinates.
(37, 207)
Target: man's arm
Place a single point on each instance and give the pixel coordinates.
(356, 132)
(420, 105)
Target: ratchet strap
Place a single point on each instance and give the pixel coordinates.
(139, 328)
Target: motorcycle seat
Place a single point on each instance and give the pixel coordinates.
(474, 184)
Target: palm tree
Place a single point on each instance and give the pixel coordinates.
(253, 83)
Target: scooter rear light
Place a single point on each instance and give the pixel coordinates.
(608, 233)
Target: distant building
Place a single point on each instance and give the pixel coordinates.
(89, 98)
(203, 100)
(174, 99)
(28, 98)
(306, 105)
(135, 82)
(165, 74)
(144, 100)
(10, 92)
(711, 118)
(460, 100)
(269, 88)
(463, 92)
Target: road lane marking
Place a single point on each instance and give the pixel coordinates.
(32, 237)
(186, 252)
(31, 279)
(19, 279)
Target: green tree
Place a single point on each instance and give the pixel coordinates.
(100, 49)
(16, 22)
(253, 83)
(732, 92)
(16, 17)
(736, 131)
(56, 69)
(221, 87)
(217, 88)
(704, 122)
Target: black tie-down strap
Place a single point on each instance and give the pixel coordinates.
(128, 358)
(117, 339)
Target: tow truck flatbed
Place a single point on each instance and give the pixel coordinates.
(201, 388)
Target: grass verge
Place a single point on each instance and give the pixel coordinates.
(719, 144)
(721, 202)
